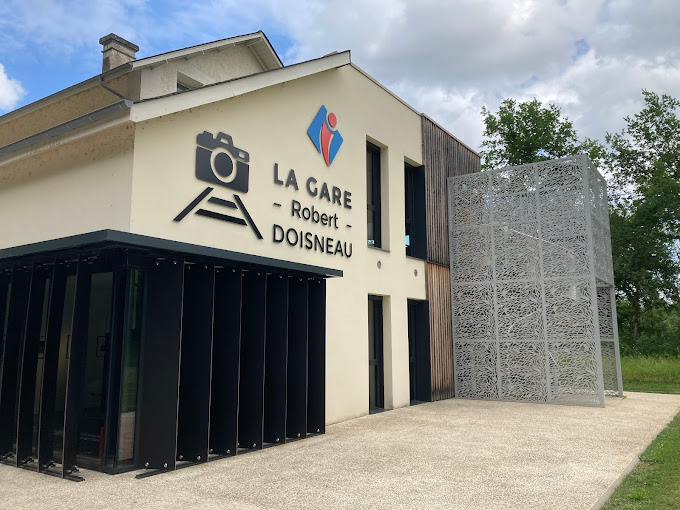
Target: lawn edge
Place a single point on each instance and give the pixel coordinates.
(604, 498)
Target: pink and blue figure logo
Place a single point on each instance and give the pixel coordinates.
(321, 131)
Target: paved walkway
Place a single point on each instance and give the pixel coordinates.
(449, 454)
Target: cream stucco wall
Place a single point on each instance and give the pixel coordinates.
(78, 187)
(271, 124)
(202, 69)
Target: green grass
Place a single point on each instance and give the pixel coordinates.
(655, 481)
(651, 375)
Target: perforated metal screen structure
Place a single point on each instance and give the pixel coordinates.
(532, 285)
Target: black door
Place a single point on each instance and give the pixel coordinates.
(419, 351)
(376, 389)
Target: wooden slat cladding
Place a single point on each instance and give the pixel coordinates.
(443, 156)
(441, 337)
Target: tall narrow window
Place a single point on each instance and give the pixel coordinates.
(376, 384)
(408, 208)
(414, 207)
(373, 194)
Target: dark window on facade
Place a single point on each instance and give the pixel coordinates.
(373, 194)
(376, 385)
(414, 195)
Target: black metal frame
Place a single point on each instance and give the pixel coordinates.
(28, 364)
(225, 356)
(74, 245)
(224, 388)
(9, 372)
(193, 415)
(298, 317)
(276, 359)
(316, 358)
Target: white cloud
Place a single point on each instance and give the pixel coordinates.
(447, 58)
(11, 91)
(63, 26)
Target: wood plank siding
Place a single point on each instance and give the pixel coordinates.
(441, 343)
(444, 156)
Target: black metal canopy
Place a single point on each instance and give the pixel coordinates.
(105, 239)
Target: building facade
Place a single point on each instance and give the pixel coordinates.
(206, 252)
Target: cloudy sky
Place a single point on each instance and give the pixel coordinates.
(447, 58)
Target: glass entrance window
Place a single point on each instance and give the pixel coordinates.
(92, 420)
(77, 373)
(107, 423)
(130, 363)
(62, 367)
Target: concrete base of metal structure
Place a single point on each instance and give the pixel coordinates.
(448, 454)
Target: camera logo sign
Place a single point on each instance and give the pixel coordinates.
(220, 163)
(321, 131)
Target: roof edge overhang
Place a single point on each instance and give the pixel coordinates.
(127, 239)
(139, 64)
(172, 103)
(198, 49)
(63, 93)
(102, 114)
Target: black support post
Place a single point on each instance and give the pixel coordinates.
(276, 354)
(316, 381)
(296, 413)
(29, 364)
(251, 387)
(194, 382)
(5, 279)
(159, 366)
(50, 366)
(16, 325)
(76, 368)
(225, 362)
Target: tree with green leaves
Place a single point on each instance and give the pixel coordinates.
(527, 132)
(644, 160)
(648, 145)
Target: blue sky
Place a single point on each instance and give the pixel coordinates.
(447, 58)
(50, 52)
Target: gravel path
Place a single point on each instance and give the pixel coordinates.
(448, 454)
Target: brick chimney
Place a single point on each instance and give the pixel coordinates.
(117, 51)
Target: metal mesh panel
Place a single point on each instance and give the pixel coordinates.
(532, 284)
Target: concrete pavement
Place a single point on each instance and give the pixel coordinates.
(448, 454)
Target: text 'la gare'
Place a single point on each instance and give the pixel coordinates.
(332, 194)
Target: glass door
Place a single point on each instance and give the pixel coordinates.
(97, 365)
